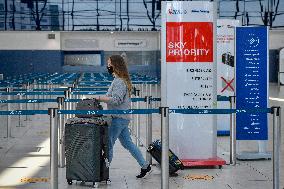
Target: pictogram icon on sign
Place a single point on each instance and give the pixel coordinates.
(228, 83)
(254, 40)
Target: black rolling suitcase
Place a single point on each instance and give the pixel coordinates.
(86, 150)
(155, 149)
(89, 104)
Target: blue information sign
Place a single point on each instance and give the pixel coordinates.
(251, 81)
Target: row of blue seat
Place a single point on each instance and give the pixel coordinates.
(84, 79)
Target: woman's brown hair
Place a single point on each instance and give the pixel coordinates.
(120, 69)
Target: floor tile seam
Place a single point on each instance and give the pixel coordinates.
(124, 178)
(14, 143)
(222, 147)
(25, 132)
(251, 167)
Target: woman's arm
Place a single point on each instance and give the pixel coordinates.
(116, 95)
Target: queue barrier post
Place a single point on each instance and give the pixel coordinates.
(276, 111)
(233, 147)
(52, 112)
(164, 111)
(61, 121)
(148, 128)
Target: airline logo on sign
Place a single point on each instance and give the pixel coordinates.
(189, 42)
(194, 11)
(177, 11)
(172, 11)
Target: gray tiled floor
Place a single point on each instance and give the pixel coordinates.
(20, 159)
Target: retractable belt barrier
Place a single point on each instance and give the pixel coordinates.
(223, 98)
(145, 84)
(60, 102)
(59, 93)
(32, 93)
(107, 112)
(139, 111)
(55, 100)
(28, 101)
(88, 92)
(219, 111)
(165, 121)
(164, 111)
(23, 112)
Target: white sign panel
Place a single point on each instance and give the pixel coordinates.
(225, 69)
(189, 76)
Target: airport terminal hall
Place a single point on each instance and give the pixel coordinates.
(141, 94)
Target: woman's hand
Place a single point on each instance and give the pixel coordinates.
(102, 98)
(98, 98)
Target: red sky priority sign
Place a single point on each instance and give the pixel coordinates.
(189, 42)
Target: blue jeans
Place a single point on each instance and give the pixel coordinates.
(119, 129)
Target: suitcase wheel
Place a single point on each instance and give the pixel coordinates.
(108, 182)
(150, 148)
(95, 184)
(69, 181)
(173, 174)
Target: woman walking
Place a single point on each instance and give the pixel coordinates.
(118, 98)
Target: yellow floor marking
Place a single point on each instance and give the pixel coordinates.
(198, 177)
(34, 180)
